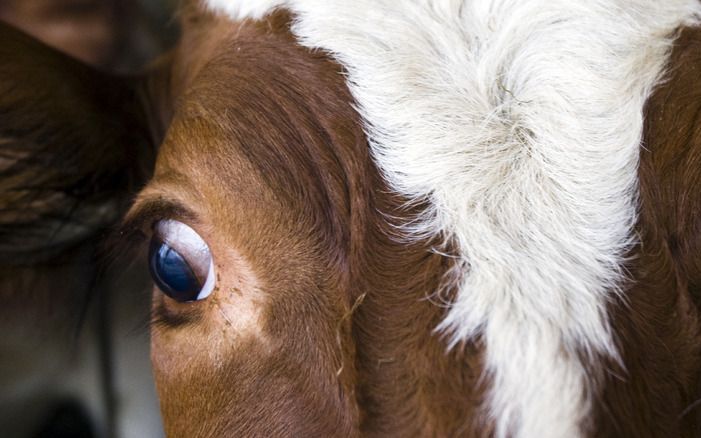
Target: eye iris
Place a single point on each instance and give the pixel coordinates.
(171, 272)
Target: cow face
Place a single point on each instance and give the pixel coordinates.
(284, 301)
(265, 219)
(248, 198)
(250, 202)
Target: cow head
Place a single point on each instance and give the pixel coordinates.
(255, 194)
(286, 301)
(262, 219)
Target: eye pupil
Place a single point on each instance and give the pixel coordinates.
(171, 272)
(180, 262)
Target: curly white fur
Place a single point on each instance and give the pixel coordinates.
(520, 121)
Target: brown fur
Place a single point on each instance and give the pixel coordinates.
(658, 327)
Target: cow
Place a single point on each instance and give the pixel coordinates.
(390, 218)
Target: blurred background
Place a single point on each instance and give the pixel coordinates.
(74, 351)
(115, 35)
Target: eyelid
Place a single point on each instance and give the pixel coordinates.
(147, 212)
(180, 236)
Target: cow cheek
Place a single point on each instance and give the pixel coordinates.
(201, 353)
(196, 378)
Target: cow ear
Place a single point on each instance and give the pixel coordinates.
(75, 144)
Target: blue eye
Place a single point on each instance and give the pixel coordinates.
(186, 273)
(172, 274)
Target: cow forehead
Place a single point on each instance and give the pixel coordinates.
(521, 123)
(260, 148)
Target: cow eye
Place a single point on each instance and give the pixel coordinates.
(180, 262)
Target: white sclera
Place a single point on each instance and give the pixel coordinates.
(192, 248)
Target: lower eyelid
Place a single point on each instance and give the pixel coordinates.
(169, 313)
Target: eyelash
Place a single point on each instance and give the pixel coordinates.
(128, 246)
(129, 243)
(133, 236)
(161, 317)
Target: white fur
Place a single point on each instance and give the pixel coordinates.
(520, 121)
(241, 10)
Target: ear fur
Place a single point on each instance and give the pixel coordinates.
(75, 143)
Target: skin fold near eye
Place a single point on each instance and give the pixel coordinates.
(180, 262)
